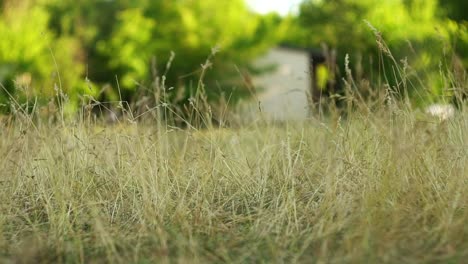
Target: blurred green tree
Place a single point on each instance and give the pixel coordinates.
(190, 29)
(34, 62)
(122, 38)
(455, 9)
(89, 43)
(408, 32)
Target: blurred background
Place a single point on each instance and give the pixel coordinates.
(111, 50)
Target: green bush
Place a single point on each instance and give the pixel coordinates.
(407, 32)
(34, 62)
(83, 47)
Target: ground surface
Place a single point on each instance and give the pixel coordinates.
(390, 187)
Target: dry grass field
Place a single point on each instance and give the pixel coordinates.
(390, 186)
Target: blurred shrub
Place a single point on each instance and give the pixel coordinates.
(93, 47)
(415, 41)
(34, 62)
(137, 39)
(88, 46)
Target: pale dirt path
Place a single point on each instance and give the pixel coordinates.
(283, 96)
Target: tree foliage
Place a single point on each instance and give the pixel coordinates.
(413, 32)
(190, 30)
(93, 47)
(31, 55)
(126, 43)
(455, 9)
